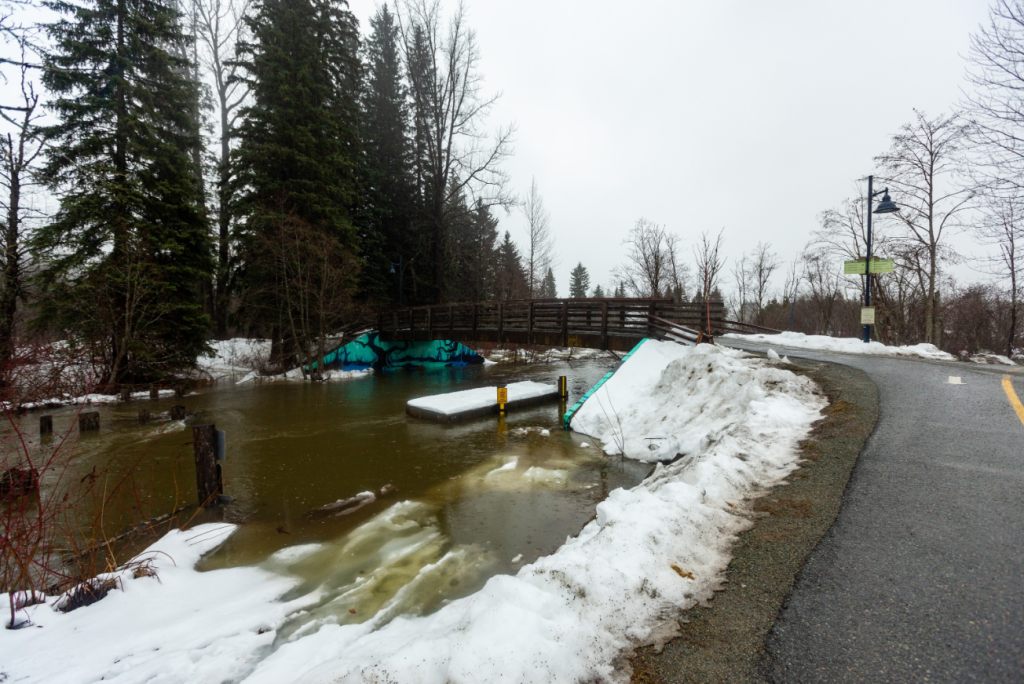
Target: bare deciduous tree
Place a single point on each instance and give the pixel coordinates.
(1003, 227)
(924, 167)
(457, 157)
(996, 103)
(19, 150)
(652, 268)
(826, 289)
(539, 244)
(218, 28)
(710, 263)
(763, 263)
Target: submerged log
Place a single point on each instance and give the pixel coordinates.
(345, 506)
(177, 412)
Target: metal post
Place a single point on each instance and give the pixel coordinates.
(867, 263)
(400, 269)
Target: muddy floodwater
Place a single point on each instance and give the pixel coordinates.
(468, 498)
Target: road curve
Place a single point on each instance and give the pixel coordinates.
(921, 578)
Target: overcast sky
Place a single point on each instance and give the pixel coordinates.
(748, 116)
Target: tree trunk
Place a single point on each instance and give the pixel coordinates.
(12, 270)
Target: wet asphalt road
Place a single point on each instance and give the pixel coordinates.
(921, 578)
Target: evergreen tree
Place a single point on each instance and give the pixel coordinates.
(297, 157)
(510, 276)
(386, 214)
(549, 289)
(620, 291)
(598, 292)
(579, 282)
(129, 247)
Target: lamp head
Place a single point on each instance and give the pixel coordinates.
(886, 206)
(392, 271)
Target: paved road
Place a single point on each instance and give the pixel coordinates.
(921, 579)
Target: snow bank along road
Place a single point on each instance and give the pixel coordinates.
(650, 553)
(922, 576)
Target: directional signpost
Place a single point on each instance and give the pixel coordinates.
(858, 267)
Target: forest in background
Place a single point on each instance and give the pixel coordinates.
(180, 170)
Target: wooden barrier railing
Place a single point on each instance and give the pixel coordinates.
(616, 324)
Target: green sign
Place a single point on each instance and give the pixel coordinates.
(877, 266)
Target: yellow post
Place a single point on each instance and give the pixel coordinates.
(563, 388)
(502, 399)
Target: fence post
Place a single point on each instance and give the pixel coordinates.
(154, 392)
(451, 322)
(501, 321)
(144, 415)
(430, 322)
(126, 392)
(474, 322)
(652, 308)
(45, 425)
(604, 326)
(177, 412)
(565, 323)
(204, 444)
(88, 421)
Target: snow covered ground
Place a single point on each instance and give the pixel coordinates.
(241, 356)
(551, 355)
(481, 397)
(846, 345)
(650, 553)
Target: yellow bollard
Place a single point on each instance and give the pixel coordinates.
(502, 399)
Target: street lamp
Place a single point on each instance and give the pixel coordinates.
(400, 270)
(886, 206)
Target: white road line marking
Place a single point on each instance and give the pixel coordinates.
(955, 380)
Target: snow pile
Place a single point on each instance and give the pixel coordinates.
(991, 358)
(845, 345)
(296, 375)
(550, 355)
(481, 397)
(180, 626)
(239, 355)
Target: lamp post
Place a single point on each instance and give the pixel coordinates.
(400, 270)
(886, 206)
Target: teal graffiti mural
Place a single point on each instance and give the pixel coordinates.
(369, 351)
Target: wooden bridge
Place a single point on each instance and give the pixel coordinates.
(615, 324)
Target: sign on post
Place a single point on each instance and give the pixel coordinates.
(867, 315)
(502, 399)
(858, 267)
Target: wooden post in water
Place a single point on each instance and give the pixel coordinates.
(88, 421)
(45, 425)
(529, 326)
(177, 412)
(144, 415)
(154, 392)
(501, 321)
(204, 444)
(126, 392)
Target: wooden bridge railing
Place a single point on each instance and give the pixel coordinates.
(616, 324)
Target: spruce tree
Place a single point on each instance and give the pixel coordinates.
(386, 213)
(127, 250)
(579, 282)
(510, 276)
(298, 151)
(549, 289)
(620, 291)
(598, 292)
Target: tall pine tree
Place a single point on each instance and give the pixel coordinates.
(296, 161)
(126, 252)
(579, 282)
(386, 173)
